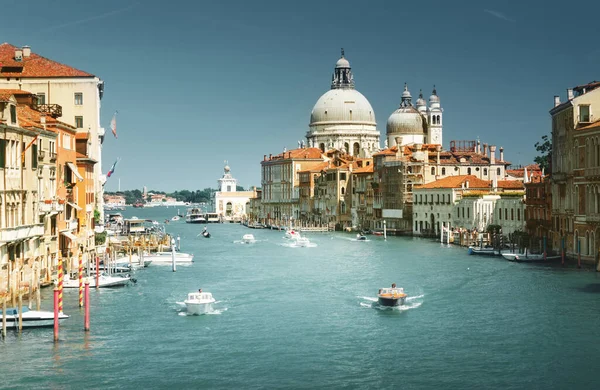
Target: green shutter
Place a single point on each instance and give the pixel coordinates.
(34, 156)
(2, 153)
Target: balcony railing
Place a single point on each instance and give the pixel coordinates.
(48, 207)
(54, 110)
(52, 156)
(41, 155)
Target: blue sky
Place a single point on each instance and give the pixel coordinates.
(199, 82)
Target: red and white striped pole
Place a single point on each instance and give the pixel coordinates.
(80, 275)
(60, 283)
(97, 271)
(56, 311)
(86, 315)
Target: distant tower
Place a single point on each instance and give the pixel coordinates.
(227, 183)
(434, 116)
(145, 192)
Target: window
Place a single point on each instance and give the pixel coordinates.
(78, 98)
(498, 171)
(41, 98)
(79, 122)
(468, 171)
(13, 114)
(432, 171)
(584, 113)
(443, 171)
(485, 171)
(343, 176)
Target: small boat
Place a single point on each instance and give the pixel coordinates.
(31, 318)
(482, 250)
(292, 234)
(391, 296)
(248, 239)
(529, 257)
(361, 237)
(176, 218)
(301, 241)
(199, 302)
(103, 281)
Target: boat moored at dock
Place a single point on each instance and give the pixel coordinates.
(31, 318)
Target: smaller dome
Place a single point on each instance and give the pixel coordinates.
(227, 169)
(342, 63)
(420, 101)
(405, 120)
(434, 98)
(406, 93)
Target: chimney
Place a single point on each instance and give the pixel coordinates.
(18, 54)
(265, 158)
(556, 100)
(26, 51)
(501, 154)
(492, 154)
(478, 149)
(570, 94)
(485, 149)
(270, 155)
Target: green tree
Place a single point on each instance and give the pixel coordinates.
(545, 148)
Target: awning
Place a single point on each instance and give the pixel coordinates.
(69, 235)
(74, 206)
(74, 170)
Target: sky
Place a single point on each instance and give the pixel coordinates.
(198, 83)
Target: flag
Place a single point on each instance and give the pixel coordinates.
(112, 169)
(113, 124)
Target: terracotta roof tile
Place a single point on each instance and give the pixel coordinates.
(457, 182)
(511, 184)
(306, 153)
(5, 94)
(34, 65)
(594, 125)
(367, 169)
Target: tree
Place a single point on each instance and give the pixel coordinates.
(545, 148)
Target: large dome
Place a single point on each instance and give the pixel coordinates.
(405, 120)
(342, 105)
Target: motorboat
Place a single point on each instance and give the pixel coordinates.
(301, 241)
(103, 281)
(167, 257)
(361, 237)
(391, 296)
(482, 250)
(176, 218)
(199, 302)
(248, 239)
(31, 318)
(292, 234)
(134, 261)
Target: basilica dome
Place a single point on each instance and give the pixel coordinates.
(342, 105)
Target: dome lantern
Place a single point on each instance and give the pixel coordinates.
(342, 74)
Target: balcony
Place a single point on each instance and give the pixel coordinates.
(72, 225)
(41, 155)
(54, 110)
(52, 156)
(21, 232)
(53, 205)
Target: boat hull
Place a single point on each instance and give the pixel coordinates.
(167, 258)
(386, 301)
(34, 319)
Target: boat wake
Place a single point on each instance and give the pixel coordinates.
(410, 303)
(295, 245)
(182, 311)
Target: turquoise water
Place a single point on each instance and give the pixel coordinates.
(305, 318)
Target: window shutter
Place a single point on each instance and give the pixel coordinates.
(34, 156)
(2, 153)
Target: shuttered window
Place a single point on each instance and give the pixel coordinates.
(2, 153)
(34, 156)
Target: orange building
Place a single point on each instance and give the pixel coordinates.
(86, 195)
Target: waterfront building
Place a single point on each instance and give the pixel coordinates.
(575, 167)
(399, 168)
(310, 214)
(62, 91)
(509, 209)
(114, 200)
(343, 118)
(88, 216)
(434, 203)
(230, 204)
(280, 183)
(361, 192)
(27, 203)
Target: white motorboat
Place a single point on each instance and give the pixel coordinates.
(482, 250)
(301, 241)
(31, 318)
(195, 215)
(292, 234)
(248, 239)
(134, 260)
(199, 302)
(103, 281)
(176, 218)
(167, 257)
(361, 237)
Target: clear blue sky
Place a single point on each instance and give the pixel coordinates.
(199, 82)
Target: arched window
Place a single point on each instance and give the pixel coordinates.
(512, 214)
(518, 214)
(432, 171)
(347, 146)
(469, 171)
(485, 171)
(322, 147)
(498, 171)
(343, 190)
(356, 149)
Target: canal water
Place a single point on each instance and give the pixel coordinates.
(303, 318)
